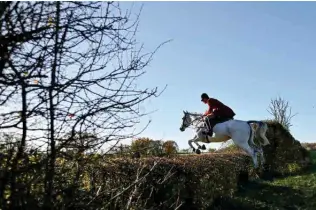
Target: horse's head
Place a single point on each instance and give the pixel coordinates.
(186, 121)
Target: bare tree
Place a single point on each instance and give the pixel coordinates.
(68, 68)
(281, 111)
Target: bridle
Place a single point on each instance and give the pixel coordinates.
(188, 124)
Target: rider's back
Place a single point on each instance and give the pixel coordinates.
(223, 109)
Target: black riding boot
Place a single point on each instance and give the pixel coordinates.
(208, 133)
(208, 126)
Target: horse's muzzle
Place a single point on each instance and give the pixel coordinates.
(182, 129)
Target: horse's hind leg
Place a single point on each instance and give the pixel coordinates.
(252, 152)
(242, 143)
(262, 159)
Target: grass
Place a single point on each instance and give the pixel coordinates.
(293, 192)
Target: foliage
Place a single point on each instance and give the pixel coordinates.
(184, 151)
(284, 155)
(68, 80)
(230, 148)
(211, 150)
(291, 192)
(170, 147)
(146, 146)
(309, 146)
(121, 183)
(78, 141)
(149, 147)
(281, 112)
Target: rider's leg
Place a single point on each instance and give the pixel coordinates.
(209, 124)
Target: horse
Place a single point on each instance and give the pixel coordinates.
(241, 132)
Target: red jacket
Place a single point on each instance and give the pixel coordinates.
(218, 108)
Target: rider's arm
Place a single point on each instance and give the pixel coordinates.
(210, 108)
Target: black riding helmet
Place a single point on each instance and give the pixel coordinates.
(204, 96)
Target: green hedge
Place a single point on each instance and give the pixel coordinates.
(189, 181)
(192, 182)
(284, 155)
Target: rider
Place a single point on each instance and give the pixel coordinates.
(216, 113)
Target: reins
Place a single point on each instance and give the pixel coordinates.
(192, 121)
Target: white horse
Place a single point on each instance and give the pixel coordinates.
(241, 132)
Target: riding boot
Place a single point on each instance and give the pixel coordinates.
(208, 123)
(208, 133)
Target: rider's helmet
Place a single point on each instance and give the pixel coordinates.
(204, 96)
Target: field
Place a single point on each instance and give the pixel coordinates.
(292, 192)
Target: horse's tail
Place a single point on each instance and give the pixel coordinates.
(262, 129)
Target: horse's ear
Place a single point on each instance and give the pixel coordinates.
(183, 112)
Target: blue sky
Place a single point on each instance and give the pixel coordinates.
(242, 53)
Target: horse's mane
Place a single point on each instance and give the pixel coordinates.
(196, 117)
(195, 113)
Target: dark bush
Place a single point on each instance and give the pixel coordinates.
(189, 182)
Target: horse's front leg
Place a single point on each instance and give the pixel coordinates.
(191, 145)
(201, 138)
(195, 139)
(199, 146)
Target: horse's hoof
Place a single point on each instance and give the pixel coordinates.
(198, 151)
(203, 147)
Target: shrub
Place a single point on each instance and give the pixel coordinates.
(309, 146)
(189, 182)
(148, 147)
(142, 145)
(230, 149)
(211, 150)
(195, 181)
(284, 151)
(170, 147)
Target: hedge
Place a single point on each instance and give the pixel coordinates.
(96, 182)
(191, 182)
(309, 146)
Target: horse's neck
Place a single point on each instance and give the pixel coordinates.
(196, 120)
